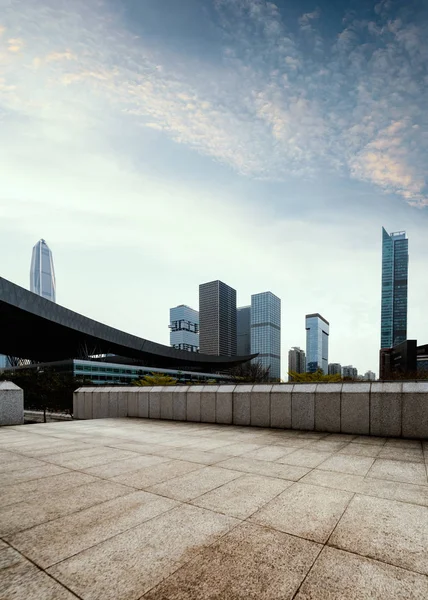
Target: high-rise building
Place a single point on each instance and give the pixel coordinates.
(42, 274)
(335, 369)
(243, 330)
(184, 328)
(296, 361)
(349, 371)
(266, 331)
(317, 332)
(217, 319)
(395, 265)
(369, 376)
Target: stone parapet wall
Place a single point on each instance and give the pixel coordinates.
(11, 404)
(398, 409)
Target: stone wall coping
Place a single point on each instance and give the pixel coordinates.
(181, 388)
(8, 385)
(262, 387)
(392, 387)
(195, 388)
(356, 388)
(210, 388)
(305, 388)
(226, 389)
(328, 388)
(282, 387)
(418, 387)
(243, 389)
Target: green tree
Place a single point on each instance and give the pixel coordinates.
(155, 379)
(318, 376)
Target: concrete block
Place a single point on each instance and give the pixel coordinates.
(242, 405)
(179, 403)
(80, 405)
(166, 402)
(11, 404)
(143, 402)
(133, 401)
(327, 407)
(122, 402)
(208, 397)
(154, 402)
(385, 409)
(194, 403)
(415, 410)
(280, 405)
(260, 405)
(87, 403)
(113, 403)
(224, 404)
(355, 408)
(303, 406)
(100, 399)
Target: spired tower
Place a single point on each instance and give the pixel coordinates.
(42, 273)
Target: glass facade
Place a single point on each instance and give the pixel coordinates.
(395, 265)
(42, 273)
(217, 319)
(184, 328)
(243, 330)
(317, 332)
(266, 331)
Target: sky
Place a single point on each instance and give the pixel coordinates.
(159, 144)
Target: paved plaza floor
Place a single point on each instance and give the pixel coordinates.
(122, 509)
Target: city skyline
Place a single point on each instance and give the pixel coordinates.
(155, 145)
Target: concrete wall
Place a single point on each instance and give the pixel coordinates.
(382, 409)
(11, 404)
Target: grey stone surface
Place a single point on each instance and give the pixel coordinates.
(87, 403)
(194, 403)
(415, 410)
(166, 403)
(224, 404)
(122, 402)
(355, 465)
(397, 470)
(133, 401)
(100, 405)
(143, 403)
(11, 404)
(280, 406)
(208, 402)
(355, 408)
(179, 402)
(303, 406)
(113, 404)
(385, 409)
(242, 405)
(154, 402)
(327, 407)
(260, 405)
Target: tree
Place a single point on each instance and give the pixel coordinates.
(250, 372)
(155, 379)
(318, 376)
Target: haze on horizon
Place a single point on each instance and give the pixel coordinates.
(157, 144)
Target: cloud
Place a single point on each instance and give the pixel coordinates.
(270, 109)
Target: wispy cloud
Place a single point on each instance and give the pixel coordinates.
(270, 109)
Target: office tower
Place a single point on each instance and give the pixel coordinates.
(217, 319)
(184, 326)
(266, 331)
(42, 274)
(335, 369)
(317, 332)
(296, 361)
(369, 376)
(243, 330)
(349, 371)
(3, 361)
(395, 265)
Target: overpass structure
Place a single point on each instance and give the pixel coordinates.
(34, 328)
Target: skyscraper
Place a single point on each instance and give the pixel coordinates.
(217, 319)
(349, 371)
(395, 266)
(42, 274)
(184, 326)
(296, 361)
(243, 330)
(335, 369)
(266, 331)
(317, 332)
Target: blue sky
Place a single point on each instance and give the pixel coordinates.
(159, 144)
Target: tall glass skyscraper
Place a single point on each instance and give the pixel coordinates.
(42, 274)
(184, 326)
(395, 266)
(243, 330)
(266, 331)
(217, 319)
(317, 332)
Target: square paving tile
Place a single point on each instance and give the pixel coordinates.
(361, 450)
(52, 542)
(131, 563)
(304, 510)
(386, 530)
(250, 562)
(194, 484)
(262, 467)
(399, 453)
(125, 465)
(305, 458)
(77, 460)
(144, 478)
(202, 457)
(242, 497)
(269, 453)
(44, 470)
(396, 470)
(341, 463)
(338, 575)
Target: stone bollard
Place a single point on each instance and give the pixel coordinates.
(11, 404)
